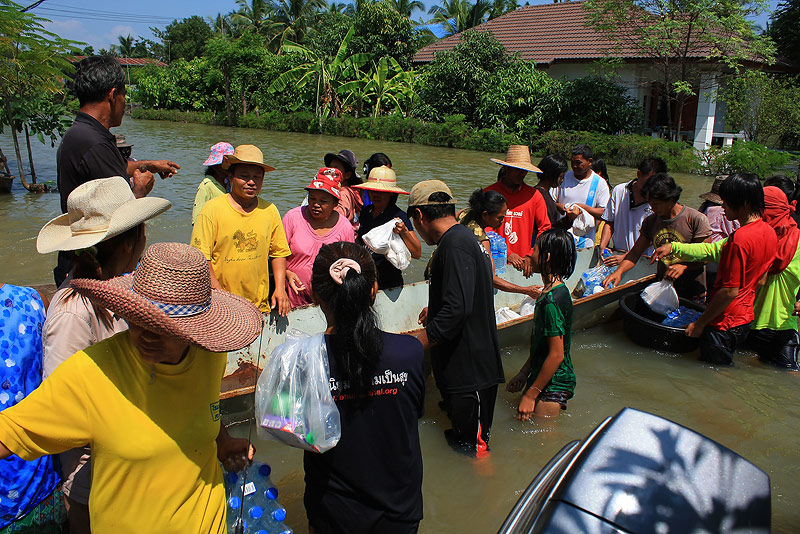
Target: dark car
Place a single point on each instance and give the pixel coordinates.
(640, 473)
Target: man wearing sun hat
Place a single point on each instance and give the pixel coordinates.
(215, 182)
(459, 323)
(238, 233)
(526, 214)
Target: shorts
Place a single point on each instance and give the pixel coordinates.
(717, 346)
(775, 347)
(560, 397)
(76, 472)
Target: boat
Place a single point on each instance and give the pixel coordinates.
(398, 311)
(6, 181)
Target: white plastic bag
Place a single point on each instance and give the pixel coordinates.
(505, 314)
(528, 306)
(293, 396)
(583, 223)
(661, 297)
(383, 240)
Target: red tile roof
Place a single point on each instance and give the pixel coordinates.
(128, 61)
(544, 34)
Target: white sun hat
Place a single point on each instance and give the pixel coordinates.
(98, 210)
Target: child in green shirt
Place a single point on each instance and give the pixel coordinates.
(548, 375)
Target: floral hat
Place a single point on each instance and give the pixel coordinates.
(217, 152)
(327, 179)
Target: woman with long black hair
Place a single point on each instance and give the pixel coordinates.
(372, 480)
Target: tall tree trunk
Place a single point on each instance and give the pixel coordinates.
(228, 109)
(30, 154)
(679, 120)
(10, 120)
(244, 102)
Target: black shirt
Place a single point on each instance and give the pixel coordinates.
(378, 461)
(388, 275)
(557, 219)
(461, 321)
(87, 152)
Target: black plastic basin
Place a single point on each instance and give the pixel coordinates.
(643, 326)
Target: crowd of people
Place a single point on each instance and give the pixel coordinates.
(113, 387)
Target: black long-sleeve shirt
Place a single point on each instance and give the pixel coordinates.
(461, 320)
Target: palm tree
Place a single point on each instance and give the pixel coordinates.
(460, 15)
(325, 73)
(220, 24)
(253, 15)
(293, 17)
(406, 7)
(338, 7)
(125, 47)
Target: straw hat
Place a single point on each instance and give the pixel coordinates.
(170, 293)
(247, 154)
(713, 195)
(98, 210)
(382, 179)
(519, 157)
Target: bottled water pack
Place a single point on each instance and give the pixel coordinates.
(681, 317)
(499, 252)
(593, 278)
(253, 500)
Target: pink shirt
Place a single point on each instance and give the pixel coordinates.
(721, 227)
(305, 244)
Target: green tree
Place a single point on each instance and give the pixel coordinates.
(327, 34)
(33, 65)
(784, 29)
(387, 86)
(125, 46)
(339, 8)
(292, 18)
(406, 7)
(501, 7)
(326, 74)
(678, 38)
(254, 15)
(461, 15)
(382, 31)
(455, 81)
(186, 38)
(597, 104)
(220, 25)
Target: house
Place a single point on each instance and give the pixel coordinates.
(556, 38)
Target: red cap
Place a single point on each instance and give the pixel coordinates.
(327, 179)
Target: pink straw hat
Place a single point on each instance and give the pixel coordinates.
(170, 293)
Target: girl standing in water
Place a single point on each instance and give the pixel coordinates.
(548, 375)
(372, 480)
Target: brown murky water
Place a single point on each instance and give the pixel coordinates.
(749, 408)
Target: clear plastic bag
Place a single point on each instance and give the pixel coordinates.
(661, 297)
(505, 314)
(293, 396)
(528, 306)
(383, 240)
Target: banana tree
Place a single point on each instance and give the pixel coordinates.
(387, 85)
(326, 73)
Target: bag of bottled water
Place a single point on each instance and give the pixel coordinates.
(252, 501)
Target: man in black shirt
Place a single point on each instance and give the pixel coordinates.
(89, 150)
(459, 321)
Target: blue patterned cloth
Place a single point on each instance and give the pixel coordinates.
(23, 485)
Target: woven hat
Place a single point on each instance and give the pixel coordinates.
(382, 179)
(121, 142)
(345, 156)
(170, 293)
(421, 193)
(713, 195)
(218, 151)
(98, 210)
(328, 180)
(247, 154)
(519, 157)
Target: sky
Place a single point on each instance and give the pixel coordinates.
(100, 22)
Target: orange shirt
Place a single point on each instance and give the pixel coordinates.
(526, 217)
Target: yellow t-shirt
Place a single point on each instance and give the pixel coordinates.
(154, 455)
(239, 246)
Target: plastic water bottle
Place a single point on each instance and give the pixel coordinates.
(502, 257)
(255, 503)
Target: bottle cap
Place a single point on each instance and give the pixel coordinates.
(279, 515)
(271, 493)
(255, 512)
(231, 477)
(264, 470)
(234, 502)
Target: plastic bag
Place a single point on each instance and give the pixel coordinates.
(528, 306)
(383, 240)
(661, 297)
(583, 223)
(293, 396)
(505, 314)
(591, 281)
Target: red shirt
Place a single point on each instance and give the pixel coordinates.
(746, 256)
(526, 217)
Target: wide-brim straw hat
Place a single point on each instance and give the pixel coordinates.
(519, 157)
(98, 210)
(248, 155)
(713, 195)
(382, 179)
(170, 293)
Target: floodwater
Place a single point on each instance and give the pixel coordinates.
(750, 408)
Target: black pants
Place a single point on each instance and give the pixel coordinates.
(333, 513)
(717, 346)
(775, 347)
(470, 412)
